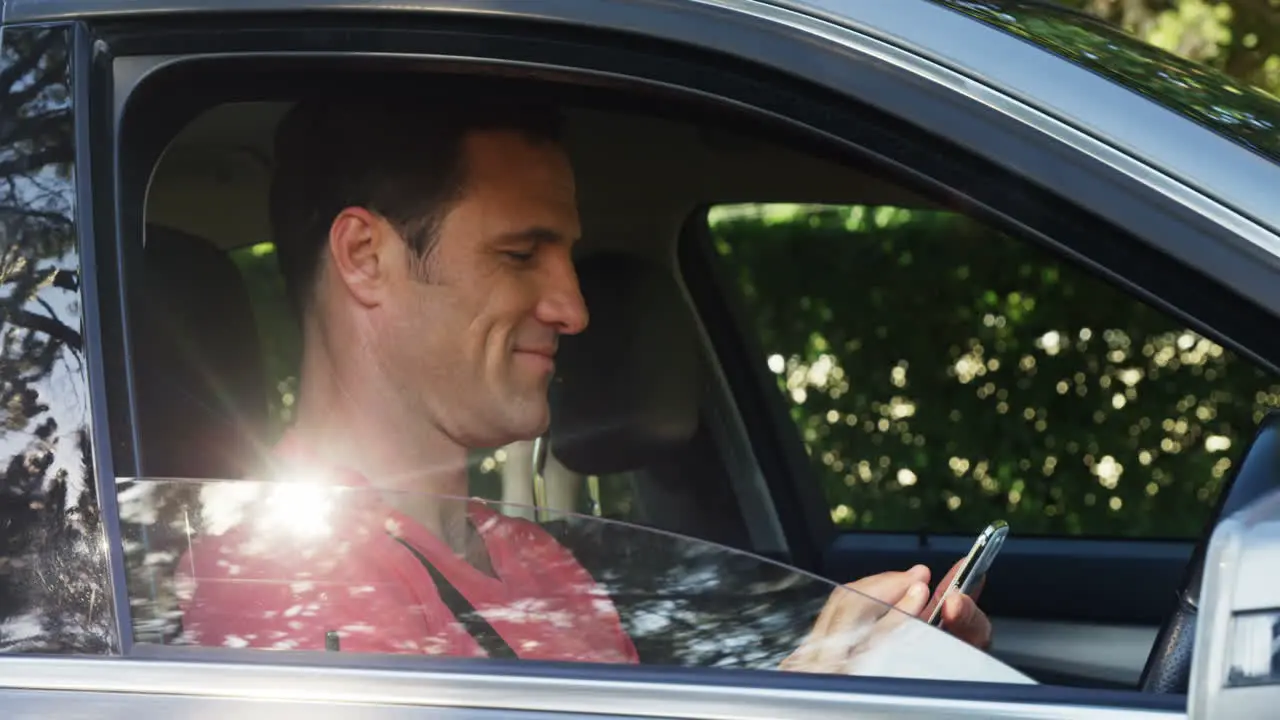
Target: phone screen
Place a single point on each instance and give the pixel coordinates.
(976, 564)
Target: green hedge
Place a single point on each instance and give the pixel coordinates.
(942, 375)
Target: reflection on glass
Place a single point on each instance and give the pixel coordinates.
(314, 566)
(1242, 113)
(1255, 649)
(54, 595)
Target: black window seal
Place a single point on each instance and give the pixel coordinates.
(96, 259)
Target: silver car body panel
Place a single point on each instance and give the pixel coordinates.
(292, 689)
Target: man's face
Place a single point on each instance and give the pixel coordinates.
(471, 338)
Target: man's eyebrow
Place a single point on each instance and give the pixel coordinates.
(537, 233)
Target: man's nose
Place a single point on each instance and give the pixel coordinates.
(563, 306)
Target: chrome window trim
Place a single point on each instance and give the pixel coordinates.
(491, 691)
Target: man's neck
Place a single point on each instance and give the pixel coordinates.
(428, 492)
(420, 472)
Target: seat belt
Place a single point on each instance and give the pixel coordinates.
(472, 621)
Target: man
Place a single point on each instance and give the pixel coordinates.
(428, 252)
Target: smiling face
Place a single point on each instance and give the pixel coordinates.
(470, 333)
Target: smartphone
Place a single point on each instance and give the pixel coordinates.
(975, 567)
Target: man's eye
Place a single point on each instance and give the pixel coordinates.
(519, 256)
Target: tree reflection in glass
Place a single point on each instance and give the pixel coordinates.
(54, 594)
(305, 548)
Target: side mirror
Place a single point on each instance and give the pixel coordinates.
(1235, 669)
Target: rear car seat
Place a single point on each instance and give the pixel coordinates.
(199, 373)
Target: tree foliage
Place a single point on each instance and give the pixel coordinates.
(942, 374)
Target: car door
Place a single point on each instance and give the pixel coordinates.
(696, 24)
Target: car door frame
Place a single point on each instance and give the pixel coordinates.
(746, 37)
(327, 685)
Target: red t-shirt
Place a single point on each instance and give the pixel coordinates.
(315, 558)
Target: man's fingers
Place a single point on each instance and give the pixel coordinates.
(865, 601)
(854, 611)
(914, 599)
(942, 586)
(890, 587)
(962, 618)
(909, 607)
(976, 592)
(886, 627)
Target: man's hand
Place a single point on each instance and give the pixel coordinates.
(961, 615)
(854, 622)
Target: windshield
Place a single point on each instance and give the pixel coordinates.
(308, 566)
(1240, 112)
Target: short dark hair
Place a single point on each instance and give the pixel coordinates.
(401, 159)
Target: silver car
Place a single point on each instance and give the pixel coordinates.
(906, 268)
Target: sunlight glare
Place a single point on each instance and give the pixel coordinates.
(300, 507)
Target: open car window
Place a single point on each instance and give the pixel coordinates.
(315, 567)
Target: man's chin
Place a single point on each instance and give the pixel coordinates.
(527, 425)
(502, 428)
(539, 427)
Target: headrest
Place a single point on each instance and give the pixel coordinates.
(199, 372)
(626, 389)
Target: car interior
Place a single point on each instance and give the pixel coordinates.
(639, 178)
(657, 415)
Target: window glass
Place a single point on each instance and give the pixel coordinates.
(301, 563)
(54, 593)
(277, 326)
(942, 374)
(268, 556)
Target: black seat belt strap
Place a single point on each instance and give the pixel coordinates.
(472, 621)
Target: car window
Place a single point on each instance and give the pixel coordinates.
(300, 563)
(54, 591)
(942, 373)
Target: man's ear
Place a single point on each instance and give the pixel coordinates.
(358, 250)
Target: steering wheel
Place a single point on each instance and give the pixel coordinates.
(1168, 668)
